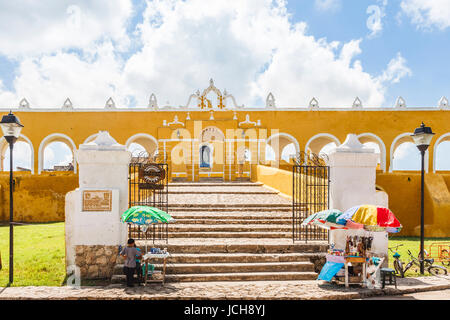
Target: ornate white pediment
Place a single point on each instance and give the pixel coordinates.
(443, 103)
(153, 103)
(205, 104)
(357, 103)
(270, 101)
(23, 104)
(314, 104)
(67, 105)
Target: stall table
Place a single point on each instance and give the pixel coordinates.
(354, 280)
(146, 259)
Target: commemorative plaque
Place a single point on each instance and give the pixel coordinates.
(97, 200)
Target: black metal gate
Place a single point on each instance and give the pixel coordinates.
(311, 180)
(148, 186)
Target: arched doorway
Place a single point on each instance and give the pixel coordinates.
(205, 156)
(211, 153)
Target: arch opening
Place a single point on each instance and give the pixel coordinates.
(23, 155)
(58, 151)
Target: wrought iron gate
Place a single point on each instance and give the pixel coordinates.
(148, 186)
(311, 180)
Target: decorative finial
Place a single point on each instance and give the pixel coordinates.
(67, 104)
(357, 103)
(110, 104)
(153, 103)
(443, 103)
(23, 104)
(270, 101)
(314, 104)
(400, 103)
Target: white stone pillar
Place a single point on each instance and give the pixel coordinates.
(352, 175)
(93, 226)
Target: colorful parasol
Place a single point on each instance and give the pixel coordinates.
(325, 219)
(370, 217)
(145, 215)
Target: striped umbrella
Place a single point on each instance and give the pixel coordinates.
(370, 217)
(326, 219)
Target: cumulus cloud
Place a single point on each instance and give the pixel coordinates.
(325, 5)
(376, 14)
(30, 27)
(249, 47)
(427, 14)
(396, 70)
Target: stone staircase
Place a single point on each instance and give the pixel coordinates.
(238, 231)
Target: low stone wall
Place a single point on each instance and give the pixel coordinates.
(96, 262)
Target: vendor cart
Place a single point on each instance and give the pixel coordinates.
(147, 258)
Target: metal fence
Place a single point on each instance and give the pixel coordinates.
(310, 195)
(148, 186)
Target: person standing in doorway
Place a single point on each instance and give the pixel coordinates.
(129, 253)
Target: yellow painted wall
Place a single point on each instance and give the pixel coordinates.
(37, 198)
(275, 178)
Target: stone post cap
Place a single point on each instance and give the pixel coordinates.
(103, 142)
(353, 145)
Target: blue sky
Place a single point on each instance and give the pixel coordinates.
(333, 50)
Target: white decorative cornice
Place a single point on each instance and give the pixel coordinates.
(67, 105)
(110, 104)
(247, 121)
(270, 101)
(314, 104)
(443, 103)
(357, 103)
(153, 103)
(175, 121)
(400, 103)
(23, 104)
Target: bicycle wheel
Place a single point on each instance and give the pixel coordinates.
(398, 266)
(445, 258)
(437, 271)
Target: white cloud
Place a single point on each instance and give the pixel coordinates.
(396, 70)
(30, 27)
(325, 5)
(249, 47)
(427, 14)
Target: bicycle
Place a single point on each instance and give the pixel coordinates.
(428, 264)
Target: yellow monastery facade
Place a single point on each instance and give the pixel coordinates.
(219, 138)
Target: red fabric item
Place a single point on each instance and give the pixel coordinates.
(385, 218)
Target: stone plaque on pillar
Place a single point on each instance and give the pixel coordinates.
(93, 227)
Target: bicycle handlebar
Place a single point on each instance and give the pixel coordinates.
(395, 247)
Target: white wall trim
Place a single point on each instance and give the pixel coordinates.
(141, 135)
(438, 141)
(393, 148)
(286, 135)
(27, 140)
(382, 148)
(65, 139)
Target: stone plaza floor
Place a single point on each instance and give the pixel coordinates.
(256, 290)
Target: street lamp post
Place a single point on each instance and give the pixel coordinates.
(11, 128)
(422, 138)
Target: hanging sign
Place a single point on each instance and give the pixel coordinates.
(151, 175)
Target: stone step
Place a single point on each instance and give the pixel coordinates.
(229, 228)
(213, 234)
(251, 276)
(227, 209)
(198, 246)
(241, 276)
(227, 206)
(233, 216)
(191, 268)
(246, 192)
(215, 221)
(216, 184)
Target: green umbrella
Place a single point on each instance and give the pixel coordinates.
(324, 219)
(145, 215)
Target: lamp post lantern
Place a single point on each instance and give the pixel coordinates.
(11, 128)
(422, 138)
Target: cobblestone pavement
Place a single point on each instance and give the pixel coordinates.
(285, 290)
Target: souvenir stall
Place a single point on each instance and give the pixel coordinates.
(145, 216)
(358, 243)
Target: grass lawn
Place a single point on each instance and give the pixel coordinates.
(412, 244)
(39, 255)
